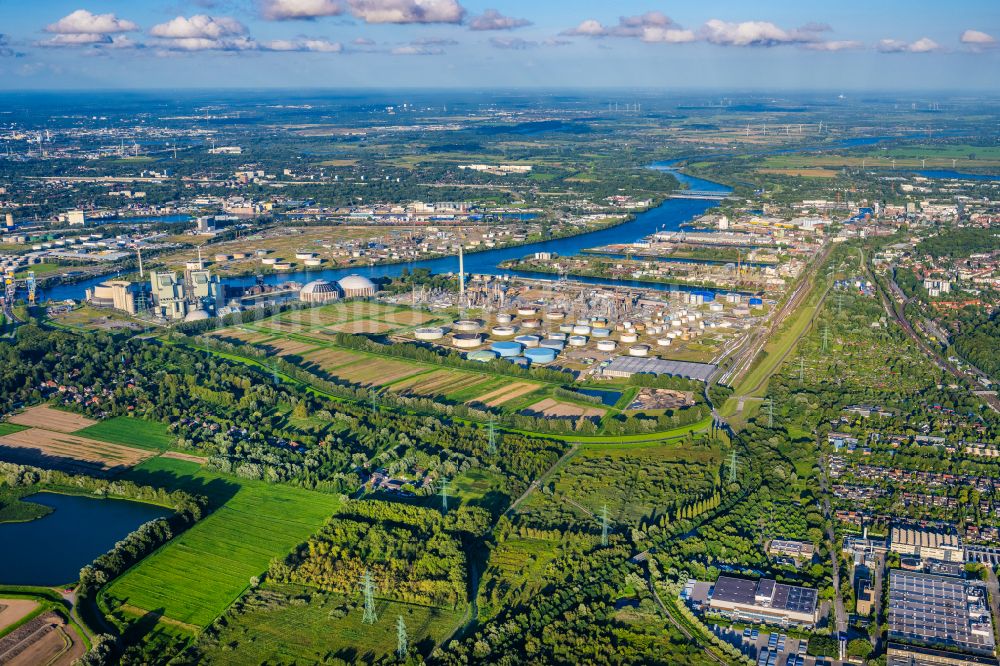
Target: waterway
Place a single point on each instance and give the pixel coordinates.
(668, 216)
(53, 549)
(955, 175)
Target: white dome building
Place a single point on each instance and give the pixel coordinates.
(355, 286)
(319, 291)
(197, 315)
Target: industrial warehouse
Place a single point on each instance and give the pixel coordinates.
(940, 611)
(762, 601)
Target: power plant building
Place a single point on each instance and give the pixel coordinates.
(765, 601)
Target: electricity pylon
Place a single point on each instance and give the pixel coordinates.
(368, 590)
(732, 466)
(770, 412)
(373, 398)
(444, 494)
(402, 641)
(604, 525)
(491, 445)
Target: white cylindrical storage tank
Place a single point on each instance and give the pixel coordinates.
(566, 328)
(638, 350)
(540, 356)
(504, 318)
(558, 336)
(269, 261)
(528, 341)
(601, 332)
(606, 345)
(675, 323)
(628, 337)
(581, 329)
(549, 343)
(664, 342)
(555, 315)
(466, 340)
(503, 331)
(531, 323)
(304, 255)
(577, 341)
(282, 266)
(715, 307)
(312, 263)
(466, 325)
(527, 311)
(429, 333)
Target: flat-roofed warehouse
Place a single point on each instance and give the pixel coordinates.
(764, 600)
(927, 544)
(899, 654)
(938, 610)
(626, 366)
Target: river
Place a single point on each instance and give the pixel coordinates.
(668, 216)
(51, 550)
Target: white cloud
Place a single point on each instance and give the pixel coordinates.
(416, 50)
(78, 39)
(82, 22)
(835, 45)
(758, 33)
(303, 46)
(651, 27)
(287, 10)
(588, 28)
(408, 11)
(491, 19)
(512, 43)
(199, 26)
(654, 34)
(922, 45)
(977, 40)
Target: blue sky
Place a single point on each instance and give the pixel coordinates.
(769, 44)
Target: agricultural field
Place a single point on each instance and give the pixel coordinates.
(635, 482)
(346, 317)
(193, 578)
(49, 418)
(906, 157)
(60, 450)
(130, 431)
(556, 409)
(294, 624)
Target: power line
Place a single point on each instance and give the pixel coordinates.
(770, 412)
(491, 445)
(604, 525)
(732, 466)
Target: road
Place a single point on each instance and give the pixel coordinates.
(537, 483)
(994, 590)
(838, 601)
(877, 591)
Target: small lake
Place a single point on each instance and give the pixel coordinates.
(608, 398)
(955, 175)
(53, 549)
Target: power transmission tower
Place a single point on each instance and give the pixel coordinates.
(604, 525)
(840, 303)
(802, 369)
(373, 398)
(445, 483)
(402, 642)
(770, 412)
(368, 590)
(492, 443)
(826, 336)
(732, 466)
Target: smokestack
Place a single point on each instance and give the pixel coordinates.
(10, 220)
(461, 277)
(138, 251)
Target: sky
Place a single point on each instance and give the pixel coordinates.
(726, 45)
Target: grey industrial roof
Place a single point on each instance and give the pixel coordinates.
(783, 597)
(657, 366)
(735, 590)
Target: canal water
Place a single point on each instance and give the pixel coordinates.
(53, 549)
(668, 216)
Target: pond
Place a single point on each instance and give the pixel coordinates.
(608, 398)
(53, 549)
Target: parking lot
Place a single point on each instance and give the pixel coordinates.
(771, 649)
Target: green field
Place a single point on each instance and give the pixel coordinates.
(194, 577)
(130, 432)
(10, 428)
(305, 632)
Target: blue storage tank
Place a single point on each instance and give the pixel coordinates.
(756, 301)
(706, 296)
(507, 349)
(483, 356)
(557, 345)
(540, 355)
